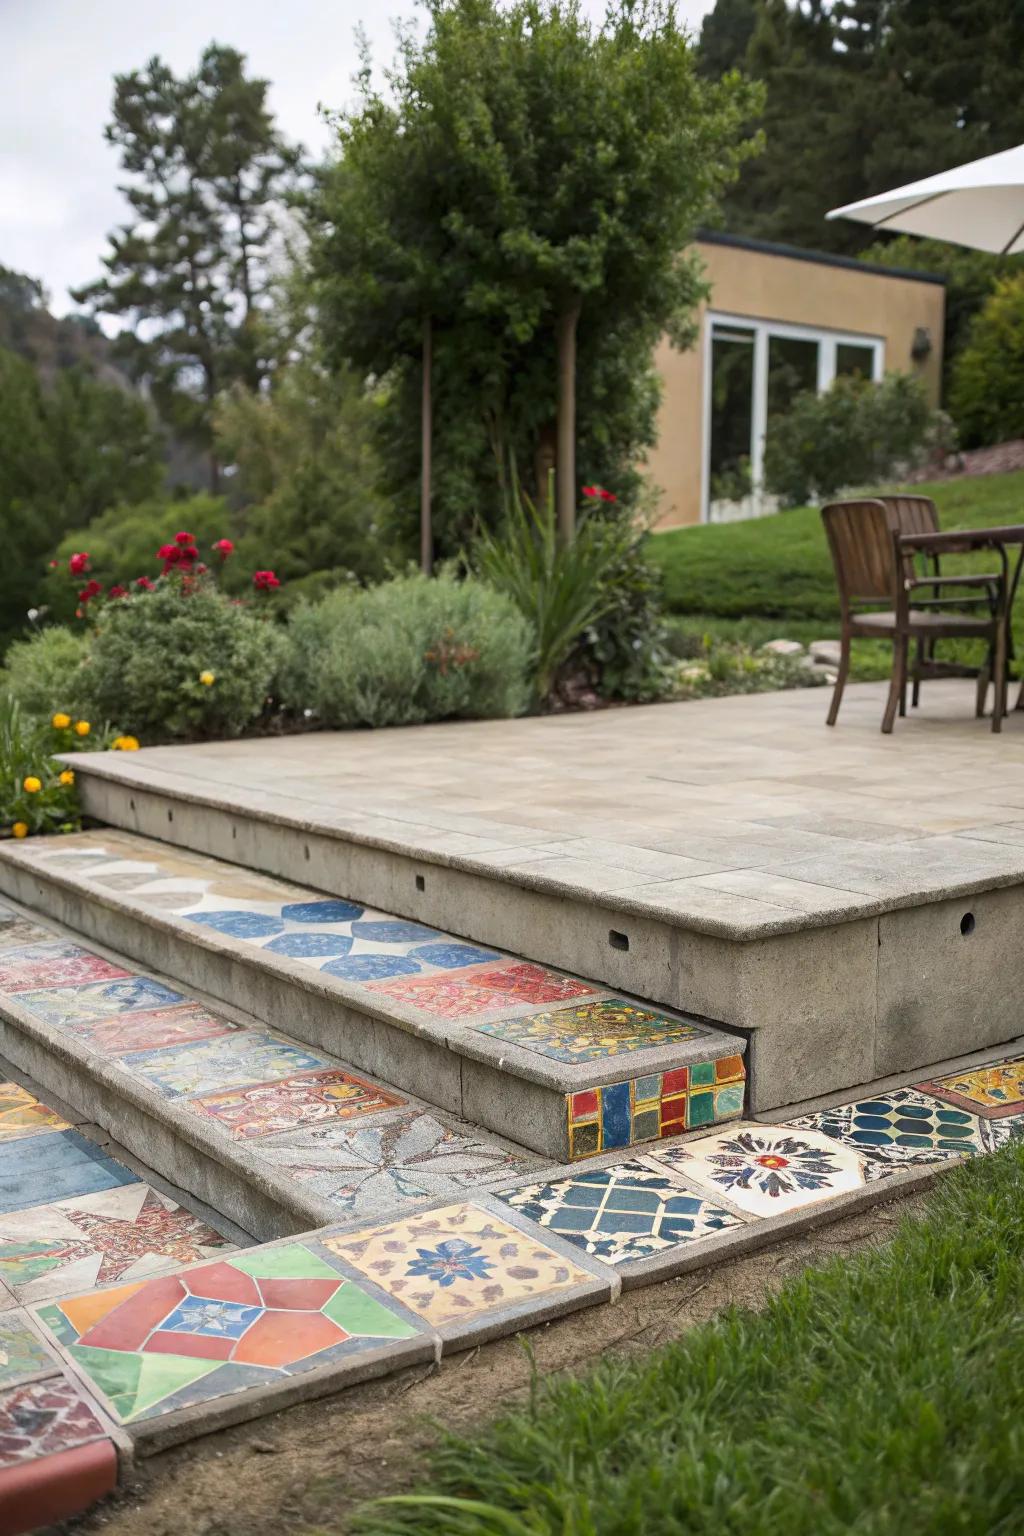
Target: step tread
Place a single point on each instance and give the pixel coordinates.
(529, 1020)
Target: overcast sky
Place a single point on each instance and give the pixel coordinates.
(58, 195)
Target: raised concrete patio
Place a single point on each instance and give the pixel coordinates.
(855, 902)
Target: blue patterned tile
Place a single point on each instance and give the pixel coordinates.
(310, 946)
(72, 1006)
(238, 924)
(321, 911)
(451, 957)
(40, 1169)
(392, 931)
(371, 967)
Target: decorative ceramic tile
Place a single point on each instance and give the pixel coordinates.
(21, 1114)
(127, 1233)
(40, 1169)
(54, 964)
(23, 1355)
(993, 1091)
(233, 1060)
(153, 1029)
(75, 1006)
(456, 1263)
(19, 933)
(767, 1169)
(657, 1105)
(454, 997)
(906, 1126)
(374, 1169)
(256, 1317)
(307, 1098)
(621, 1213)
(591, 1031)
(42, 1418)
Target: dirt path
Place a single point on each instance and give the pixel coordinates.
(311, 1465)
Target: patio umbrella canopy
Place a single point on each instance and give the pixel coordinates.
(979, 205)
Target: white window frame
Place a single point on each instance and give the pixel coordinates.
(828, 341)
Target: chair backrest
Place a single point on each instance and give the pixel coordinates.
(912, 514)
(860, 538)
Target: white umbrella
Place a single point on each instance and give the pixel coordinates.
(980, 205)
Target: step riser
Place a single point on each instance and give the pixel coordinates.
(529, 1113)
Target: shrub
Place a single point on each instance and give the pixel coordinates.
(857, 433)
(407, 651)
(50, 672)
(626, 647)
(987, 397)
(37, 794)
(183, 660)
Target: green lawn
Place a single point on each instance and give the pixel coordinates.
(881, 1394)
(772, 577)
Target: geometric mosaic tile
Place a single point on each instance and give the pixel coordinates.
(372, 1170)
(482, 991)
(254, 1318)
(153, 1029)
(53, 964)
(119, 1234)
(23, 1355)
(73, 1006)
(905, 1126)
(56, 1166)
(658, 1105)
(42, 1418)
(626, 1212)
(21, 1114)
(591, 1031)
(456, 1263)
(266, 1109)
(992, 1091)
(767, 1169)
(245, 1056)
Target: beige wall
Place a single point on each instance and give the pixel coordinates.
(765, 286)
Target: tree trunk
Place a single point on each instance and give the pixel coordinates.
(565, 466)
(426, 452)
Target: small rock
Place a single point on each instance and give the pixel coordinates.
(826, 653)
(783, 647)
(263, 1447)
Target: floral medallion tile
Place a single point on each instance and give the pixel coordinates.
(42, 1418)
(992, 1092)
(458, 1263)
(622, 1213)
(249, 1320)
(657, 1105)
(308, 1098)
(40, 1169)
(153, 1029)
(23, 1355)
(593, 1031)
(369, 1170)
(766, 1170)
(231, 1061)
(72, 1007)
(483, 991)
(21, 1114)
(906, 1126)
(54, 964)
(120, 1234)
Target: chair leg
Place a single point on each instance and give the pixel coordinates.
(999, 680)
(922, 657)
(841, 676)
(981, 689)
(898, 682)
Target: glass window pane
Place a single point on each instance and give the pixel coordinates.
(732, 412)
(792, 370)
(851, 358)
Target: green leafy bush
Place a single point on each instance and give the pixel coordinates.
(407, 651)
(987, 397)
(182, 661)
(50, 672)
(857, 433)
(626, 647)
(37, 794)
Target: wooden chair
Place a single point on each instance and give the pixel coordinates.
(872, 567)
(919, 514)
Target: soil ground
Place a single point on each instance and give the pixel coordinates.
(305, 1470)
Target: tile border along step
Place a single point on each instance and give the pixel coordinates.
(498, 1041)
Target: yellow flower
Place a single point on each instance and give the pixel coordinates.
(125, 744)
(60, 722)
(83, 728)
(32, 784)
(20, 829)
(207, 679)
(67, 777)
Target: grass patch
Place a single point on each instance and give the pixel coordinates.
(880, 1394)
(772, 576)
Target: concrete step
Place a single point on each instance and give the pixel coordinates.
(554, 1063)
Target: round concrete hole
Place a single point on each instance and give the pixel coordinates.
(967, 924)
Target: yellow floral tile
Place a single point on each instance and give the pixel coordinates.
(23, 1115)
(456, 1263)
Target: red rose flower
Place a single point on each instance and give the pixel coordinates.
(187, 553)
(78, 564)
(169, 552)
(184, 538)
(91, 589)
(607, 496)
(590, 490)
(118, 591)
(224, 547)
(53, 565)
(265, 581)
(145, 583)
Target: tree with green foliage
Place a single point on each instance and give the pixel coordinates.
(987, 395)
(528, 182)
(195, 270)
